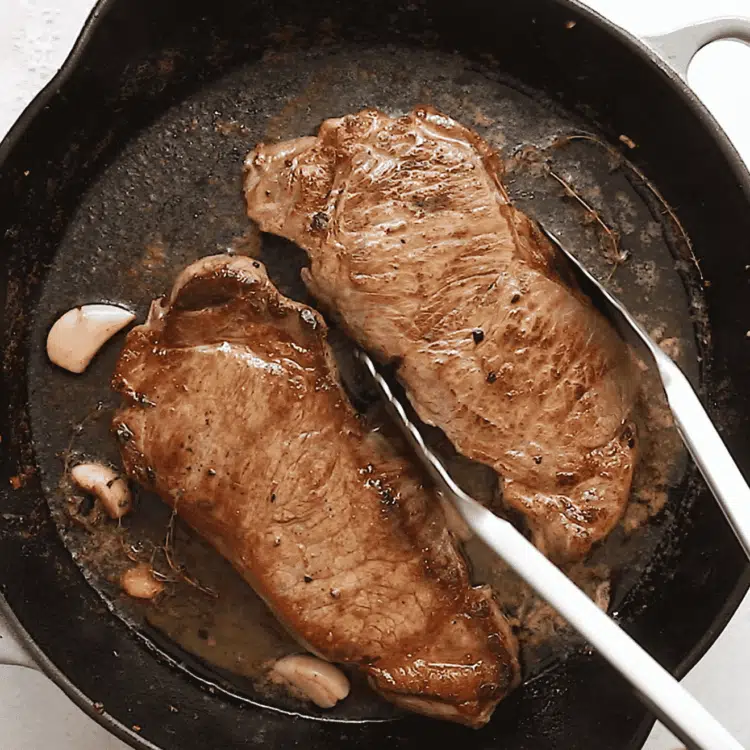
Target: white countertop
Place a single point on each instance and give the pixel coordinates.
(35, 37)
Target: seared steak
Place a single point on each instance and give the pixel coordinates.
(234, 414)
(415, 248)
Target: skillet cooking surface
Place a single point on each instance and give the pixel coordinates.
(174, 195)
(170, 192)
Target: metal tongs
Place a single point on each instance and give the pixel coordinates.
(697, 430)
(661, 692)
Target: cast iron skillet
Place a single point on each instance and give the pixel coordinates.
(140, 60)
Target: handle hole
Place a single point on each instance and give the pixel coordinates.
(718, 74)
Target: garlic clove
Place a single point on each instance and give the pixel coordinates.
(78, 335)
(315, 679)
(140, 583)
(109, 487)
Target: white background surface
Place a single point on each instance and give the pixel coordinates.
(35, 37)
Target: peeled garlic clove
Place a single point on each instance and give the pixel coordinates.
(111, 489)
(139, 582)
(317, 680)
(78, 335)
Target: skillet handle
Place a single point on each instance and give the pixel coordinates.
(679, 47)
(12, 651)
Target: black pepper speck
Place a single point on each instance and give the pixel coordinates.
(478, 335)
(124, 433)
(319, 221)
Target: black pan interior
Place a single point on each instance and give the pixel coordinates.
(173, 195)
(144, 146)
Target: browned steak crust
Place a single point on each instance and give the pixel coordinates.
(416, 249)
(234, 414)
